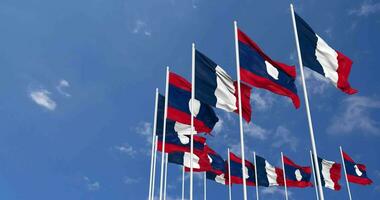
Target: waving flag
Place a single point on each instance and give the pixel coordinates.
(330, 172)
(180, 102)
(356, 173)
(218, 170)
(236, 172)
(267, 175)
(259, 70)
(296, 176)
(215, 87)
(200, 160)
(176, 142)
(320, 57)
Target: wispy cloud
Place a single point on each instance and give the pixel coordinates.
(356, 115)
(365, 9)
(145, 129)
(130, 180)
(262, 100)
(255, 131)
(283, 136)
(140, 27)
(42, 98)
(275, 190)
(218, 126)
(61, 86)
(91, 185)
(316, 83)
(126, 149)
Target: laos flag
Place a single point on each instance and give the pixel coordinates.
(296, 176)
(218, 170)
(259, 70)
(200, 160)
(320, 57)
(356, 173)
(179, 106)
(215, 87)
(176, 142)
(236, 171)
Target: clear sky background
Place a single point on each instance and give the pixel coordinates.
(77, 89)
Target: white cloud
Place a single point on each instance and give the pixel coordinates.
(356, 115)
(283, 137)
(41, 97)
(262, 100)
(60, 87)
(218, 126)
(126, 149)
(91, 185)
(145, 129)
(130, 180)
(141, 27)
(274, 190)
(255, 131)
(316, 83)
(366, 8)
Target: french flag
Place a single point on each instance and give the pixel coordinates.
(331, 173)
(319, 56)
(180, 102)
(215, 87)
(200, 160)
(356, 173)
(259, 70)
(176, 142)
(267, 174)
(236, 172)
(296, 176)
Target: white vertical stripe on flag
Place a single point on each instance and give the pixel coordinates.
(328, 58)
(271, 174)
(225, 91)
(326, 167)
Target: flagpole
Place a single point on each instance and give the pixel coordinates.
(229, 174)
(314, 178)
(284, 172)
(313, 145)
(153, 144)
(240, 110)
(183, 182)
(154, 166)
(256, 179)
(204, 186)
(166, 174)
(345, 173)
(164, 132)
(192, 117)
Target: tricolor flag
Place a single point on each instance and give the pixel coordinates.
(319, 56)
(177, 142)
(215, 87)
(296, 176)
(356, 173)
(259, 70)
(267, 175)
(236, 172)
(180, 102)
(330, 173)
(200, 160)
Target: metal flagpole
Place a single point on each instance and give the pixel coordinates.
(240, 110)
(314, 178)
(313, 145)
(164, 131)
(283, 168)
(256, 179)
(166, 174)
(183, 182)
(229, 174)
(345, 173)
(192, 118)
(204, 186)
(154, 166)
(153, 144)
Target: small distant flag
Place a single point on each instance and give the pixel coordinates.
(215, 87)
(259, 70)
(331, 173)
(356, 173)
(267, 174)
(296, 176)
(236, 172)
(200, 160)
(179, 106)
(321, 58)
(176, 142)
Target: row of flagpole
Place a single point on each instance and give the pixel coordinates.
(162, 191)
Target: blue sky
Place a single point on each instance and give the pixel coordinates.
(78, 79)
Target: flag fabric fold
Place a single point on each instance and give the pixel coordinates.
(259, 70)
(356, 173)
(267, 174)
(215, 87)
(200, 160)
(176, 142)
(236, 171)
(330, 173)
(296, 175)
(320, 57)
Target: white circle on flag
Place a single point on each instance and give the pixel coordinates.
(298, 175)
(357, 171)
